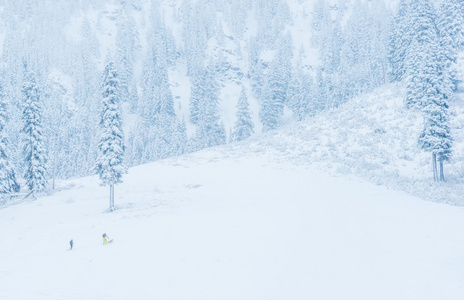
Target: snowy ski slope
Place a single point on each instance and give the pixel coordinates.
(223, 224)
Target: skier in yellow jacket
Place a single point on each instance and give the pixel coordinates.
(105, 239)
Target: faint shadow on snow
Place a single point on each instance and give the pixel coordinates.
(193, 186)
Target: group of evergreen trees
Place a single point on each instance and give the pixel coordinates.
(8, 182)
(424, 45)
(352, 58)
(51, 131)
(33, 147)
(109, 164)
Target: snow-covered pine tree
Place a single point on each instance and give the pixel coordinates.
(321, 92)
(127, 42)
(244, 126)
(436, 135)
(329, 41)
(380, 22)
(400, 40)
(321, 23)
(422, 59)
(271, 109)
(164, 116)
(180, 138)
(33, 142)
(364, 55)
(255, 69)
(429, 84)
(109, 165)
(8, 183)
(197, 93)
(86, 72)
(204, 101)
(197, 27)
(301, 92)
(275, 91)
(236, 15)
(451, 28)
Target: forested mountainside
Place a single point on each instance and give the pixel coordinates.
(195, 74)
(182, 66)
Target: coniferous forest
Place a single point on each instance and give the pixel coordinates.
(96, 86)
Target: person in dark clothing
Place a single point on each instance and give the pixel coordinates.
(71, 243)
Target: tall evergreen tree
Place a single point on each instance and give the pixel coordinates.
(400, 40)
(8, 181)
(429, 84)
(181, 139)
(451, 29)
(436, 136)
(33, 141)
(301, 94)
(197, 93)
(244, 126)
(275, 92)
(109, 164)
(127, 42)
(204, 101)
(451, 26)
(423, 67)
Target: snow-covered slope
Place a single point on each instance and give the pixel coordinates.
(259, 220)
(374, 137)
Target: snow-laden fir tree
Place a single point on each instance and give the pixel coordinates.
(429, 84)
(364, 55)
(451, 28)
(244, 126)
(204, 101)
(127, 42)
(422, 63)
(8, 183)
(436, 135)
(35, 161)
(274, 93)
(109, 164)
(197, 93)
(163, 113)
(165, 122)
(400, 40)
(301, 92)
(180, 138)
(198, 25)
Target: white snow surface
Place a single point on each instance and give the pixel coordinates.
(234, 222)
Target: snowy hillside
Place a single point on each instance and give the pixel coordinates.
(276, 149)
(374, 137)
(221, 225)
(260, 219)
(291, 58)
